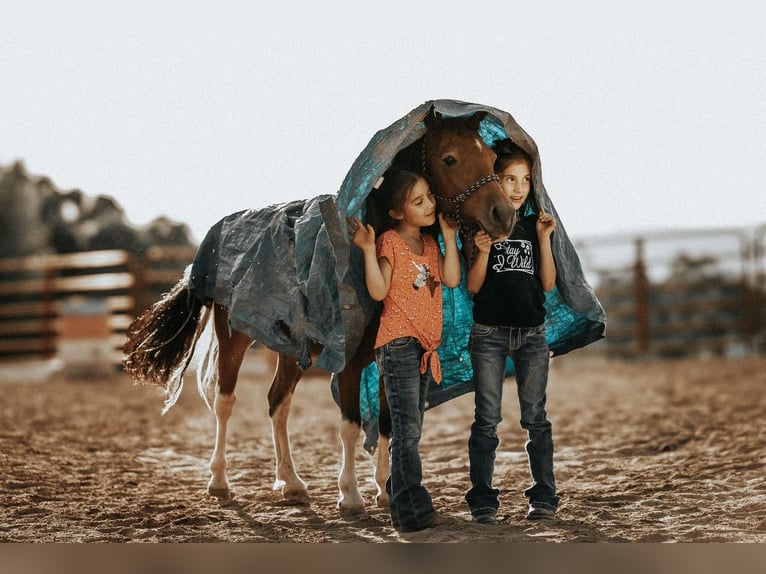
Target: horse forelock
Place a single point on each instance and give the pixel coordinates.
(474, 158)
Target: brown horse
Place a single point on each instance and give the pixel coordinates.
(160, 343)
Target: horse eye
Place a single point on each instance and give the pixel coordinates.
(449, 161)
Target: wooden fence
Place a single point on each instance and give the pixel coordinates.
(80, 303)
(681, 292)
(671, 293)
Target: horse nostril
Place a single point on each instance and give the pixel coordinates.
(495, 215)
(499, 214)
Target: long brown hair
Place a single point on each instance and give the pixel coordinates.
(391, 194)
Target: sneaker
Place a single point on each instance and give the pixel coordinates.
(485, 518)
(540, 512)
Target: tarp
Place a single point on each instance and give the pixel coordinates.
(283, 273)
(292, 266)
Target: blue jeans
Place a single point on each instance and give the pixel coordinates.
(399, 362)
(528, 348)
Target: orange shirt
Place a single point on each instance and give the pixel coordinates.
(413, 305)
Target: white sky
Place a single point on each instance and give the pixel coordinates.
(635, 130)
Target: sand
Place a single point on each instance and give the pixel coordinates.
(657, 451)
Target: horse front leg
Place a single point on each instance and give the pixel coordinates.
(286, 377)
(350, 501)
(383, 461)
(232, 347)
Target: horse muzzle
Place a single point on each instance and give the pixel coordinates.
(498, 219)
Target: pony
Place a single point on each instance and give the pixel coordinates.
(160, 342)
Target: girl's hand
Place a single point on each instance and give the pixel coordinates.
(483, 241)
(363, 236)
(448, 226)
(545, 224)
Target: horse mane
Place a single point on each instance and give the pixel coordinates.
(410, 157)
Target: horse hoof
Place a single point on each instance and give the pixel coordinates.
(349, 511)
(222, 493)
(382, 501)
(296, 496)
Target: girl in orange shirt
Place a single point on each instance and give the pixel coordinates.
(404, 269)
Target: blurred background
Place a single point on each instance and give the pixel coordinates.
(123, 139)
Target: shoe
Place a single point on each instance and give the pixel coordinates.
(485, 518)
(437, 520)
(540, 512)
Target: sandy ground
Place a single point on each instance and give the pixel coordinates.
(656, 452)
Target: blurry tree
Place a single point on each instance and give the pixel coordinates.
(37, 218)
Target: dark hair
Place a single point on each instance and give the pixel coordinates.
(391, 194)
(507, 152)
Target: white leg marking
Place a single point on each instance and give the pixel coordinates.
(219, 484)
(350, 501)
(382, 470)
(287, 478)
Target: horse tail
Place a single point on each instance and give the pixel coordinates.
(161, 341)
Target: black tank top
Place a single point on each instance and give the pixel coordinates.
(512, 295)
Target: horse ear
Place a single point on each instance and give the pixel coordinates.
(432, 119)
(474, 120)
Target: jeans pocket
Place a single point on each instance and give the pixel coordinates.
(480, 330)
(400, 343)
(539, 330)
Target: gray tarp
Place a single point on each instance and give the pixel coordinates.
(291, 265)
(282, 272)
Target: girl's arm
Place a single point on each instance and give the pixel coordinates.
(478, 270)
(449, 265)
(545, 226)
(377, 272)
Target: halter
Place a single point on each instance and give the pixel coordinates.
(460, 198)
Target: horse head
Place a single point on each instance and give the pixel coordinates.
(460, 168)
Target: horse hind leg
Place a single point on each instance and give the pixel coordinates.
(232, 347)
(218, 485)
(286, 377)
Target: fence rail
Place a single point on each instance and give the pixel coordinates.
(680, 292)
(49, 304)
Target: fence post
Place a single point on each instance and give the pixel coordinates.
(758, 300)
(50, 312)
(747, 305)
(641, 285)
(137, 266)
